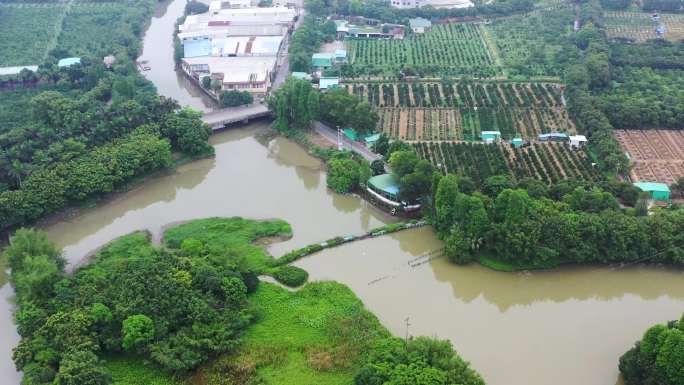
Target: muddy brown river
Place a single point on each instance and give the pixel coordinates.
(564, 327)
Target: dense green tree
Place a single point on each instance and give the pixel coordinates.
(343, 175)
(137, 331)
(403, 162)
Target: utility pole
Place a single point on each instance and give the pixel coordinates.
(407, 328)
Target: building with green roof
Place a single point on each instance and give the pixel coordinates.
(340, 56)
(385, 187)
(322, 60)
(517, 142)
(657, 191)
(327, 83)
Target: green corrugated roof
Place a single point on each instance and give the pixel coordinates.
(372, 138)
(385, 182)
(652, 186)
(350, 133)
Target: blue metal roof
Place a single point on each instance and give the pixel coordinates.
(326, 83)
(197, 48)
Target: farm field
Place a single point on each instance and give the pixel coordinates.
(460, 111)
(638, 26)
(528, 44)
(548, 162)
(79, 35)
(656, 155)
(27, 31)
(447, 49)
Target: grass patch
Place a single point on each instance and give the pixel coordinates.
(312, 336)
(232, 236)
(128, 370)
(498, 265)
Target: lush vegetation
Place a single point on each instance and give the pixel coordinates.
(658, 358)
(532, 44)
(565, 224)
(235, 98)
(645, 98)
(382, 10)
(447, 49)
(546, 162)
(346, 173)
(306, 40)
(461, 110)
(27, 32)
(175, 307)
(138, 314)
(100, 29)
(296, 105)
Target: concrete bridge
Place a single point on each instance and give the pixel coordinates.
(219, 119)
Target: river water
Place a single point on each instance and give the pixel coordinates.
(563, 327)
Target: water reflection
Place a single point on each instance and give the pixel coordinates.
(158, 52)
(246, 178)
(559, 327)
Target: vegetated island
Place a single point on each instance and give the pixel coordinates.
(193, 311)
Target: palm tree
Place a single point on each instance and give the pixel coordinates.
(16, 171)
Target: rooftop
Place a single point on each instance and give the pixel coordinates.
(385, 182)
(419, 22)
(652, 186)
(69, 61)
(326, 83)
(240, 69)
(16, 70)
(197, 48)
(301, 75)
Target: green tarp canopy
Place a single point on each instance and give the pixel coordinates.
(658, 191)
(351, 133)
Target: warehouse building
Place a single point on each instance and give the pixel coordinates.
(252, 74)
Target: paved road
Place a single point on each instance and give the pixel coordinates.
(348, 144)
(234, 114)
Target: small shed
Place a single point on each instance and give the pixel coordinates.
(371, 139)
(553, 137)
(109, 61)
(517, 142)
(578, 141)
(350, 133)
(322, 60)
(327, 83)
(420, 25)
(68, 62)
(658, 191)
(490, 136)
(301, 75)
(340, 56)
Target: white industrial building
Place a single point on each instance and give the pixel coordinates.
(251, 74)
(235, 43)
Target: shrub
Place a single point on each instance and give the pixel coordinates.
(291, 276)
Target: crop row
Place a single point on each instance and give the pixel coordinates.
(454, 49)
(27, 32)
(639, 27)
(459, 94)
(438, 124)
(548, 162)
